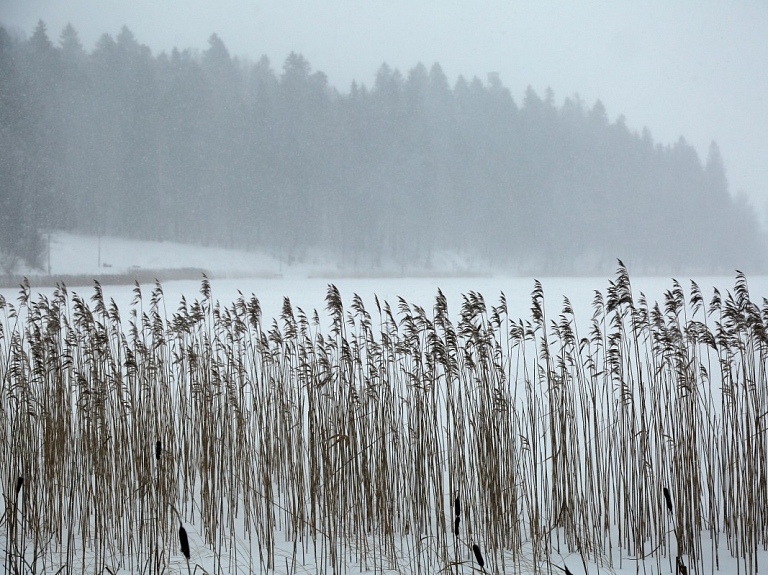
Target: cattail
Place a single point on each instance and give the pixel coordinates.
(158, 449)
(19, 483)
(184, 541)
(456, 526)
(457, 506)
(668, 499)
(478, 555)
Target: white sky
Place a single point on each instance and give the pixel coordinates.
(696, 68)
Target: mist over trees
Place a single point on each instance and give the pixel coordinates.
(204, 147)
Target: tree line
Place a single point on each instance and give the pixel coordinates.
(201, 146)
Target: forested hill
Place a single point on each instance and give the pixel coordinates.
(208, 148)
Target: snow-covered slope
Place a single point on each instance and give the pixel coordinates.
(83, 258)
(74, 254)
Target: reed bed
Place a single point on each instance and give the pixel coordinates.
(207, 439)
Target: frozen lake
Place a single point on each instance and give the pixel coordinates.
(306, 284)
(309, 293)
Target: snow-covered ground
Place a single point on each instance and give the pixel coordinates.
(74, 254)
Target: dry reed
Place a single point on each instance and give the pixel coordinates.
(287, 443)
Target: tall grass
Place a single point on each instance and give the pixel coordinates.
(407, 439)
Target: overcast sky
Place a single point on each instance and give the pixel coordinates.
(691, 68)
